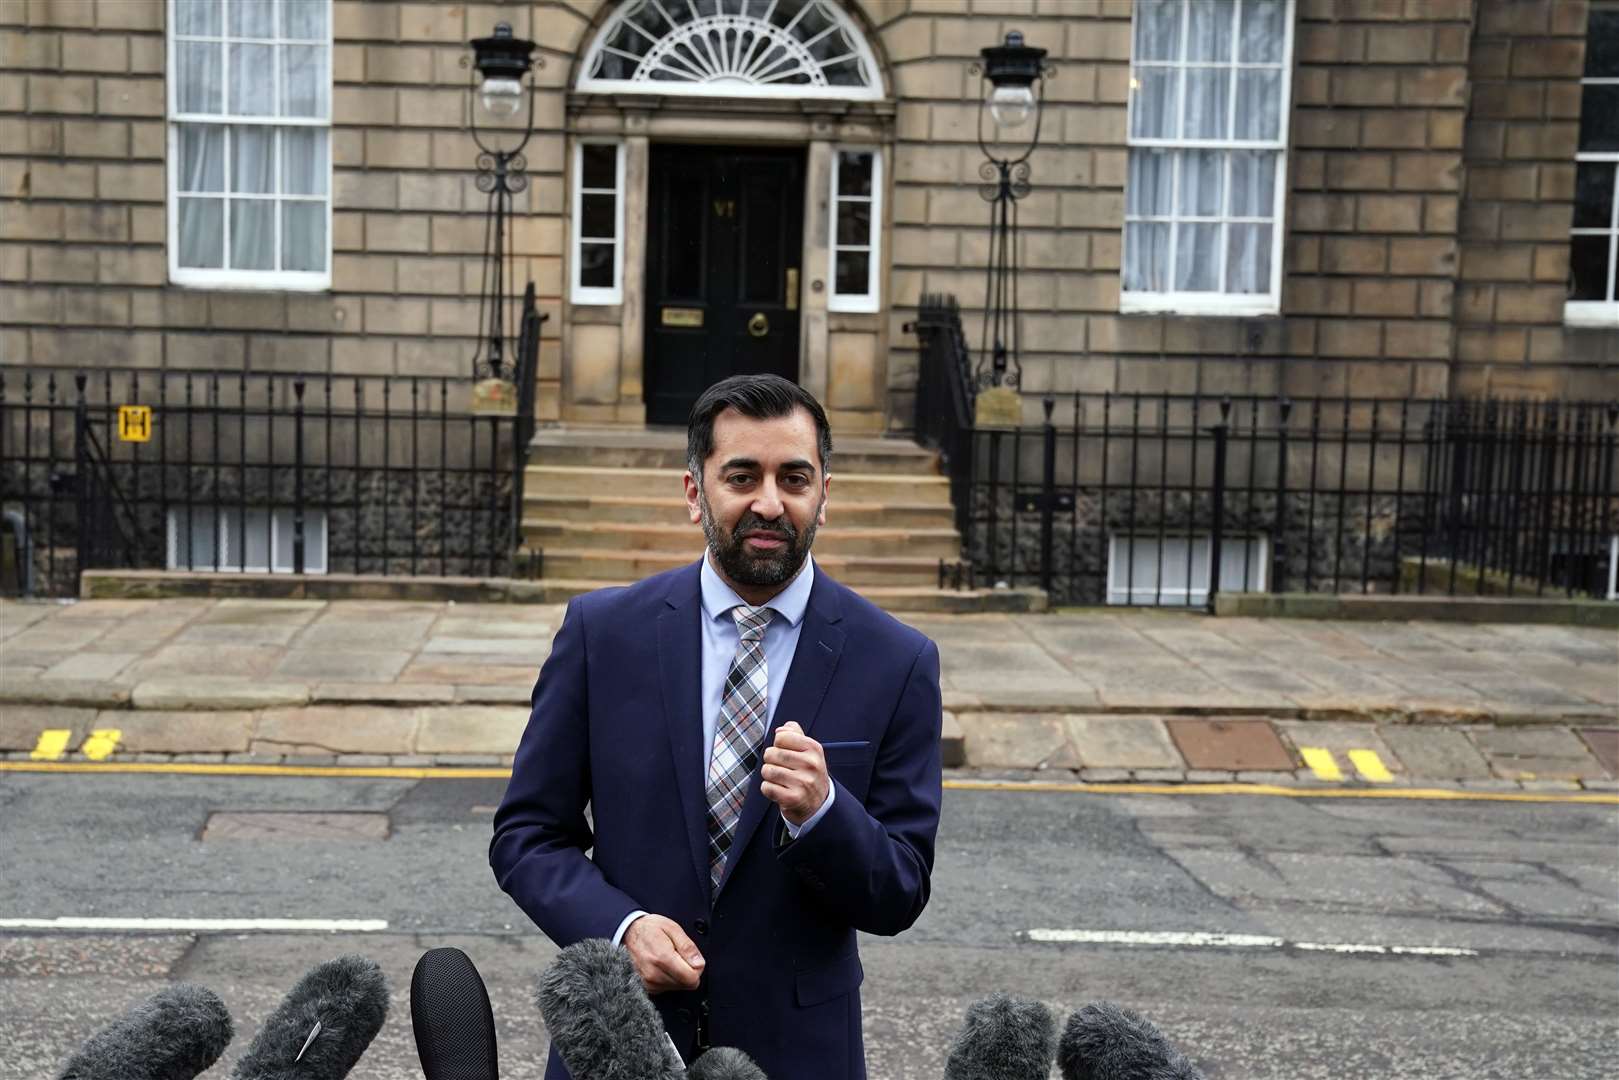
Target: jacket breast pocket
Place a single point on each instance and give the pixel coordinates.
(825, 980)
(849, 763)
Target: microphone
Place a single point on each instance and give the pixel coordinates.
(452, 1019)
(322, 1026)
(601, 1021)
(725, 1063)
(1104, 1042)
(1003, 1038)
(173, 1035)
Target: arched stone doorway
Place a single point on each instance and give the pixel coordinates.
(727, 163)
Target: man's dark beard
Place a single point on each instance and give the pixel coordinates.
(766, 568)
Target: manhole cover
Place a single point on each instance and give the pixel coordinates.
(1230, 745)
(294, 825)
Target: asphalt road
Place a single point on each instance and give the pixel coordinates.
(1529, 894)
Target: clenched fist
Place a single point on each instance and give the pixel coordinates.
(794, 774)
(664, 957)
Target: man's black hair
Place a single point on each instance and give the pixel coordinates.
(761, 397)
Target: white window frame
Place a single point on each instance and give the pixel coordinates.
(596, 294)
(1217, 303)
(316, 537)
(1599, 313)
(224, 278)
(1613, 567)
(871, 299)
(1121, 594)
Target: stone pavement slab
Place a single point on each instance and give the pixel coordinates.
(335, 729)
(1437, 752)
(1017, 740)
(1125, 742)
(321, 665)
(199, 692)
(1604, 743)
(1537, 754)
(180, 660)
(1340, 739)
(469, 729)
(1231, 745)
(20, 725)
(90, 665)
(157, 731)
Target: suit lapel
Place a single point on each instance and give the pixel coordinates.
(820, 644)
(680, 660)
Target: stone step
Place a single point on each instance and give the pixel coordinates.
(892, 598)
(549, 533)
(627, 565)
(592, 480)
(671, 510)
(666, 449)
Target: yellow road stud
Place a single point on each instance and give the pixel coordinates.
(1370, 766)
(52, 744)
(101, 743)
(1321, 762)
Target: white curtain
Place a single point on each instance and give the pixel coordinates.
(1179, 203)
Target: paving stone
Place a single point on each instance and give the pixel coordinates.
(364, 760)
(1537, 754)
(20, 725)
(1233, 745)
(1209, 776)
(241, 635)
(1600, 785)
(481, 761)
(358, 693)
(91, 665)
(1549, 785)
(1158, 776)
(459, 674)
(1266, 776)
(335, 729)
(162, 732)
(153, 759)
(1604, 743)
(90, 693)
(1436, 752)
(1104, 776)
(495, 694)
(315, 761)
(346, 664)
(410, 761)
(1493, 783)
(245, 758)
(200, 759)
(379, 633)
(952, 741)
(469, 729)
(220, 659)
(1125, 742)
(1016, 740)
(198, 692)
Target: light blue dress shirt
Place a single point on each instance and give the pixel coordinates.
(720, 639)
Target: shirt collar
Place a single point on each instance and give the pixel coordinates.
(719, 598)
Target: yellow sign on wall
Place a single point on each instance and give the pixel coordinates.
(135, 423)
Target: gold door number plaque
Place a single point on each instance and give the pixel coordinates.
(135, 423)
(682, 316)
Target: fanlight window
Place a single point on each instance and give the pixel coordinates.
(732, 48)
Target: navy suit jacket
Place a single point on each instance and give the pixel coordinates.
(616, 727)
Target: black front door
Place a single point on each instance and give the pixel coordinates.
(724, 231)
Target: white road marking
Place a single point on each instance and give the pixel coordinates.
(1209, 940)
(71, 922)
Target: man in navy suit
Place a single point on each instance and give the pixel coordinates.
(758, 748)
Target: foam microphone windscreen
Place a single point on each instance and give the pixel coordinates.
(450, 1013)
(1003, 1038)
(172, 1035)
(724, 1063)
(322, 1026)
(600, 1019)
(1104, 1042)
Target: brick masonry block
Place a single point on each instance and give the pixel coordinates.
(1430, 340)
(1426, 256)
(1389, 213)
(1545, 57)
(1427, 172)
(1385, 297)
(1354, 255)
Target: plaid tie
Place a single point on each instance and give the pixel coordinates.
(738, 735)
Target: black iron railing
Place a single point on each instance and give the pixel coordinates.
(1169, 499)
(257, 472)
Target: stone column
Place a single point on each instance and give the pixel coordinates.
(632, 332)
(815, 286)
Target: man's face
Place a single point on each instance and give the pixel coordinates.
(762, 497)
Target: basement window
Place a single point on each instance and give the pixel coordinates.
(1173, 571)
(252, 541)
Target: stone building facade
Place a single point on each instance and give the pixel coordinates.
(1421, 228)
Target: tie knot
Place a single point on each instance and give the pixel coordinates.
(751, 621)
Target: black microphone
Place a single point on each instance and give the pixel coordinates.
(725, 1063)
(322, 1026)
(1004, 1038)
(601, 1021)
(1104, 1042)
(450, 1013)
(172, 1035)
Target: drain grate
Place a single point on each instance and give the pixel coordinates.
(294, 825)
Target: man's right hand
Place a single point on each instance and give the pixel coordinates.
(664, 957)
